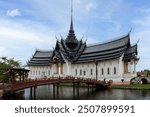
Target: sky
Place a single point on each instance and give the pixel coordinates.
(27, 25)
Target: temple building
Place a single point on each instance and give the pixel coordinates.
(114, 60)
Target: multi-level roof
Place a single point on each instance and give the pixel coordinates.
(41, 58)
(83, 53)
(76, 51)
(131, 53)
(105, 51)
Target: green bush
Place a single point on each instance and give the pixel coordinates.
(5, 64)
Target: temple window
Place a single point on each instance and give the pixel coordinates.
(102, 71)
(84, 73)
(80, 72)
(49, 72)
(91, 72)
(114, 70)
(61, 68)
(76, 72)
(108, 71)
(36, 72)
(31, 72)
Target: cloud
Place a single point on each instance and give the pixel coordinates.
(146, 10)
(26, 31)
(20, 35)
(96, 19)
(19, 39)
(13, 13)
(144, 22)
(142, 32)
(3, 51)
(90, 6)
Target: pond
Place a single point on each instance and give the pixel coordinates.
(66, 93)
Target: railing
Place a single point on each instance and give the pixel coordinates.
(45, 81)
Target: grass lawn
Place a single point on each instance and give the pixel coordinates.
(132, 86)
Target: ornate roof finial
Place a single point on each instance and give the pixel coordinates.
(71, 39)
(71, 26)
(138, 41)
(130, 30)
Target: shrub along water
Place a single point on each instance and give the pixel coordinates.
(132, 86)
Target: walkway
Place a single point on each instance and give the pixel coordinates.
(46, 81)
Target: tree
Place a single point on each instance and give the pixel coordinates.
(148, 74)
(5, 64)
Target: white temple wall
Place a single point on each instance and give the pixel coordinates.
(65, 69)
(40, 71)
(86, 70)
(131, 71)
(113, 72)
(54, 66)
(131, 65)
(121, 67)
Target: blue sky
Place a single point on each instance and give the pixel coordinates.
(27, 25)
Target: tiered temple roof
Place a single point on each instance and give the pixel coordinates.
(83, 53)
(41, 58)
(131, 53)
(76, 51)
(105, 51)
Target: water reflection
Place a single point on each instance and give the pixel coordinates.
(83, 93)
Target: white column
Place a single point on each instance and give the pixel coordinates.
(134, 67)
(129, 67)
(121, 67)
(59, 69)
(69, 69)
(51, 70)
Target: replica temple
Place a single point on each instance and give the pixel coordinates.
(114, 60)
